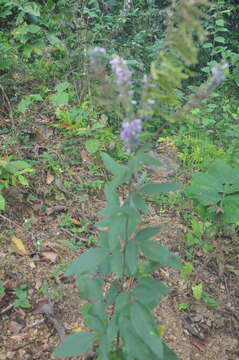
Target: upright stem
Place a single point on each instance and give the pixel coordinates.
(124, 252)
(125, 242)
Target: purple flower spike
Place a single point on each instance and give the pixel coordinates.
(120, 68)
(218, 73)
(130, 131)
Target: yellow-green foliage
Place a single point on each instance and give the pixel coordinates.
(197, 153)
(184, 32)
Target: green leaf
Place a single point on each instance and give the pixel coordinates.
(22, 180)
(206, 189)
(168, 353)
(197, 291)
(54, 40)
(32, 8)
(221, 171)
(134, 164)
(207, 45)
(183, 306)
(220, 22)
(33, 29)
(105, 343)
(131, 257)
(92, 146)
(90, 288)
(60, 99)
(19, 164)
(150, 160)
(22, 302)
(111, 196)
(2, 287)
(104, 268)
(103, 239)
(144, 326)
(62, 86)
(150, 291)
(231, 209)
(87, 262)
(110, 210)
(156, 188)
(160, 254)
(95, 316)
(209, 300)
(75, 345)
(2, 202)
(113, 292)
(133, 345)
(116, 261)
(147, 233)
(187, 269)
(112, 165)
(140, 203)
(27, 101)
(219, 39)
(116, 230)
(133, 218)
(122, 301)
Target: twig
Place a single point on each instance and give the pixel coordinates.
(9, 307)
(9, 220)
(74, 235)
(9, 107)
(36, 323)
(57, 326)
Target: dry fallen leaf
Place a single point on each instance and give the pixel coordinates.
(85, 157)
(53, 245)
(49, 178)
(32, 265)
(19, 244)
(77, 329)
(52, 210)
(197, 343)
(44, 307)
(38, 283)
(15, 326)
(49, 255)
(75, 221)
(9, 284)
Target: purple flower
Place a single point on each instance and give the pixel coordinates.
(218, 73)
(145, 80)
(121, 70)
(151, 101)
(130, 131)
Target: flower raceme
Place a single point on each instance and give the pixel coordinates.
(218, 73)
(121, 70)
(130, 131)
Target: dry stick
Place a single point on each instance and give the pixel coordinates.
(9, 107)
(74, 235)
(9, 307)
(36, 323)
(57, 326)
(9, 220)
